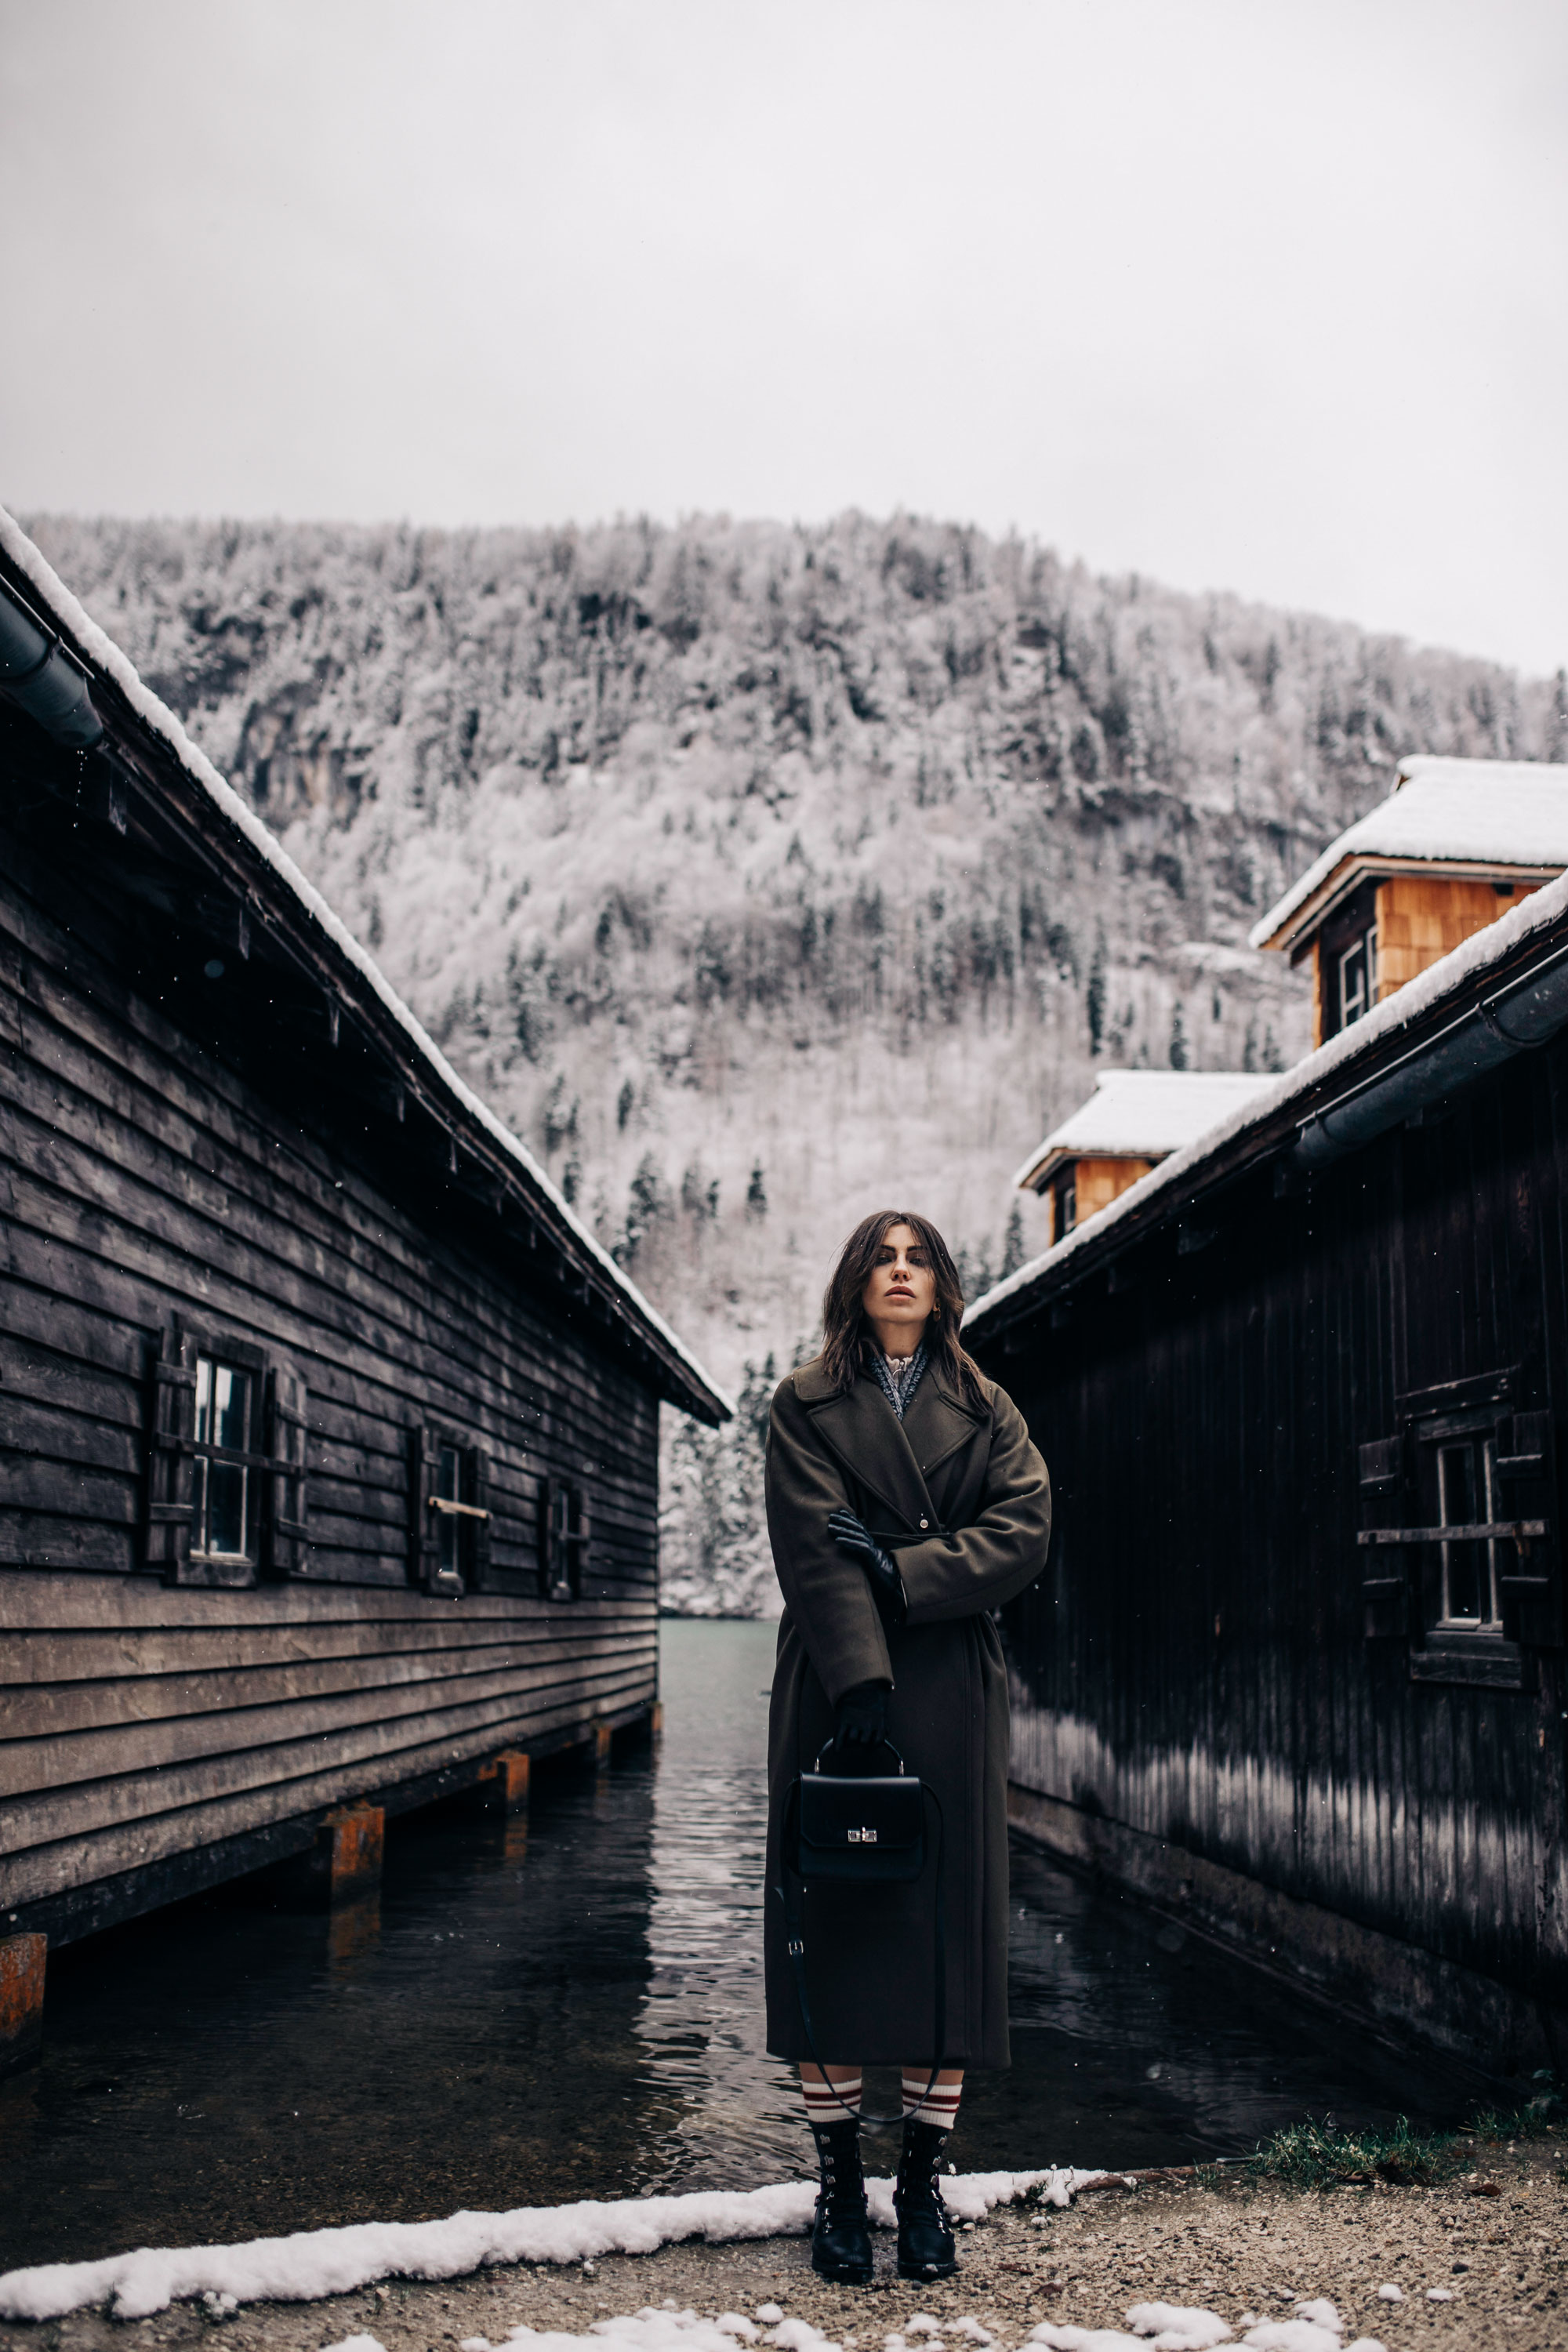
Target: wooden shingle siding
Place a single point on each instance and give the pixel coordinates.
(143, 1178)
(1195, 1666)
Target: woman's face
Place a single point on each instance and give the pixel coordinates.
(899, 1292)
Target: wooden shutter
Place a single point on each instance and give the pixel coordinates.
(1384, 1589)
(423, 1556)
(287, 1533)
(1525, 1463)
(546, 1524)
(480, 1495)
(171, 1427)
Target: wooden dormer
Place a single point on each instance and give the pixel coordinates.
(1133, 1120)
(1457, 843)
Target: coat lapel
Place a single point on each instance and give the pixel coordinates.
(867, 1436)
(936, 1425)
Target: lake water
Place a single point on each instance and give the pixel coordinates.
(570, 2005)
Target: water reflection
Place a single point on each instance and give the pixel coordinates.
(354, 1931)
(702, 2027)
(568, 2002)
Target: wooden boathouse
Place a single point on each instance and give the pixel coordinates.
(330, 1435)
(1295, 1672)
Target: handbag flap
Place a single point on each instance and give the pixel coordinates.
(842, 1814)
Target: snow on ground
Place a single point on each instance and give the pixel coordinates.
(1156, 2327)
(316, 2262)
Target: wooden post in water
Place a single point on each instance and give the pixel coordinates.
(349, 1848)
(502, 1784)
(22, 1961)
(602, 1737)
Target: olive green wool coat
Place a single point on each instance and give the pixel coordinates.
(959, 1496)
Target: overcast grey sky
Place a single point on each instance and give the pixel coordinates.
(1265, 297)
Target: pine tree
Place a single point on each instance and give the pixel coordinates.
(1094, 999)
(1178, 1040)
(647, 1204)
(1012, 1245)
(714, 1537)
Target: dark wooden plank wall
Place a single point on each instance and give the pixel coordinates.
(1193, 1663)
(140, 1178)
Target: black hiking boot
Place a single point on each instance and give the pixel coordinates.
(926, 2250)
(840, 2230)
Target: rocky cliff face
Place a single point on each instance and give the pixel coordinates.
(761, 875)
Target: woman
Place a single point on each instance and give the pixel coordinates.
(905, 1503)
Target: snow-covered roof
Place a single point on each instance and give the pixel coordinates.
(1278, 1098)
(58, 605)
(1481, 815)
(1141, 1114)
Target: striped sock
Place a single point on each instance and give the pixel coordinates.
(822, 2100)
(939, 2106)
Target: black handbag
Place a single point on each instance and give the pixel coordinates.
(860, 1826)
(864, 1829)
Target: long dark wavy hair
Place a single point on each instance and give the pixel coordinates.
(844, 1329)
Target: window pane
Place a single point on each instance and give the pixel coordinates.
(448, 1530)
(226, 1507)
(222, 1489)
(1352, 985)
(563, 1581)
(231, 1395)
(1462, 1563)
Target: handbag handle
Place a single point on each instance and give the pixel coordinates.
(828, 1745)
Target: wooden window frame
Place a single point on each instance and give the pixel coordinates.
(1365, 947)
(1064, 1201)
(1407, 1550)
(449, 1535)
(564, 1539)
(1350, 930)
(274, 1458)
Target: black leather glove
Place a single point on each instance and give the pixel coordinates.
(887, 1584)
(862, 1716)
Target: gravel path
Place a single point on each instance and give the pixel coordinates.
(1494, 2246)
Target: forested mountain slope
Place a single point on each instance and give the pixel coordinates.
(760, 874)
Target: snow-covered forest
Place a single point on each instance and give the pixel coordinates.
(760, 875)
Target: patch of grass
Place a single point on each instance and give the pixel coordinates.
(1319, 2155)
(1546, 2110)
(1314, 2154)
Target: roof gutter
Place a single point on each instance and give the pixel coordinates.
(1481, 1040)
(37, 672)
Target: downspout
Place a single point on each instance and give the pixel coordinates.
(1481, 1040)
(38, 674)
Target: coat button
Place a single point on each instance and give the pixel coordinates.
(925, 1523)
